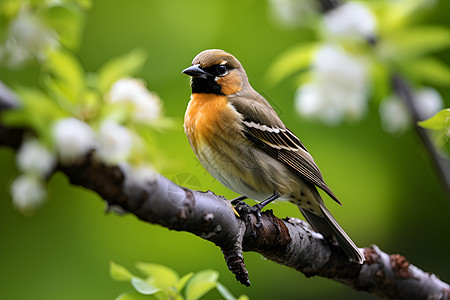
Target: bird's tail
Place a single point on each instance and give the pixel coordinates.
(329, 227)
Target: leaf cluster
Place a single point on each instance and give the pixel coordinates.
(163, 283)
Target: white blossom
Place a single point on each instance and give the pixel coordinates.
(351, 19)
(73, 138)
(28, 193)
(27, 38)
(428, 102)
(394, 114)
(147, 104)
(338, 89)
(33, 157)
(115, 142)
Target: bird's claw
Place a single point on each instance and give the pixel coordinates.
(257, 210)
(245, 210)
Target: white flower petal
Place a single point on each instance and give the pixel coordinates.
(334, 64)
(114, 142)
(338, 90)
(394, 115)
(428, 102)
(73, 139)
(308, 101)
(28, 193)
(27, 37)
(350, 19)
(34, 157)
(147, 104)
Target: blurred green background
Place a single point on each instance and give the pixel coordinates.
(390, 192)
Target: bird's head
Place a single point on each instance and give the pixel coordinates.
(216, 72)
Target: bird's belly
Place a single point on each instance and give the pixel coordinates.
(248, 171)
(233, 177)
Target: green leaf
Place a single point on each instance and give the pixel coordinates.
(439, 121)
(67, 20)
(201, 283)
(143, 287)
(120, 67)
(225, 292)
(60, 96)
(67, 72)
(430, 70)
(119, 272)
(162, 277)
(295, 59)
(243, 297)
(183, 280)
(134, 296)
(417, 41)
(38, 112)
(398, 14)
(440, 124)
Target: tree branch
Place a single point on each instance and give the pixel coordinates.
(441, 164)
(289, 241)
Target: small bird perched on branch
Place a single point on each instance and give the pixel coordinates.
(239, 138)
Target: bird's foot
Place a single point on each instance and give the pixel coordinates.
(238, 200)
(245, 210)
(256, 209)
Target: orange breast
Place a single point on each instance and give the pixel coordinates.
(203, 116)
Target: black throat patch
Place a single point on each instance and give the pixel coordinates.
(205, 86)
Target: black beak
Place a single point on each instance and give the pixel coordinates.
(196, 71)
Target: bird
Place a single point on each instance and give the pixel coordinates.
(241, 141)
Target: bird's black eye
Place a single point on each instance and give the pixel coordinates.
(222, 70)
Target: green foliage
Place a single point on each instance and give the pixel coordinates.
(73, 111)
(64, 77)
(417, 41)
(53, 24)
(161, 282)
(119, 67)
(69, 91)
(37, 112)
(396, 42)
(143, 287)
(201, 283)
(67, 20)
(440, 124)
(162, 276)
(429, 70)
(406, 46)
(295, 59)
(118, 272)
(134, 296)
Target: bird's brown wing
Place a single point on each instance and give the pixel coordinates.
(272, 137)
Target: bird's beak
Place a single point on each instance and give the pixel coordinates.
(196, 71)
